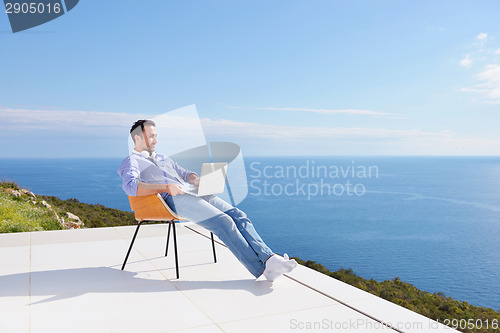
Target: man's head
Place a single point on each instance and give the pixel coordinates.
(143, 132)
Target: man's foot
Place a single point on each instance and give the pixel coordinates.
(277, 265)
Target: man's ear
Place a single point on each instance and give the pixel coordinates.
(137, 137)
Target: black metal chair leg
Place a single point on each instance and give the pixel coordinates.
(168, 238)
(170, 226)
(131, 244)
(175, 251)
(213, 246)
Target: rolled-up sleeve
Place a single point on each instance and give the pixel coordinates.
(130, 174)
(182, 172)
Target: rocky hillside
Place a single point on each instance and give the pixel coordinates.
(21, 210)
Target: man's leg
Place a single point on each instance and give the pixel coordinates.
(275, 265)
(200, 211)
(244, 225)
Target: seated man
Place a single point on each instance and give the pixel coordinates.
(144, 172)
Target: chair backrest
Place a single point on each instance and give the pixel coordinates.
(152, 208)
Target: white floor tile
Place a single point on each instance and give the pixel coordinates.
(229, 297)
(200, 329)
(14, 314)
(72, 236)
(333, 318)
(70, 283)
(328, 285)
(66, 255)
(399, 317)
(14, 260)
(13, 286)
(150, 307)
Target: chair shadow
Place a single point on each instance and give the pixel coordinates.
(69, 283)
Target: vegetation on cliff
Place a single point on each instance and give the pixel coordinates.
(19, 213)
(22, 210)
(93, 216)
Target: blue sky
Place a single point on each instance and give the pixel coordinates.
(275, 77)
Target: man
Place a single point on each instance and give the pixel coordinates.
(144, 172)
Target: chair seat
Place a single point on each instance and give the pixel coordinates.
(152, 208)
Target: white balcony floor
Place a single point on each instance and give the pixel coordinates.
(71, 281)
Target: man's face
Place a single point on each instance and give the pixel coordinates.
(148, 139)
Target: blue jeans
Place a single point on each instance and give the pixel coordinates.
(230, 224)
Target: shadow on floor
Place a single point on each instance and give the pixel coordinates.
(68, 283)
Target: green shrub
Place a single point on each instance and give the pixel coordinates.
(19, 215)
(92, 215)
(9, 184)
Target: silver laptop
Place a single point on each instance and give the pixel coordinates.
(212, 180)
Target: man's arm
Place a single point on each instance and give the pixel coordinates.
(148, 189)
(194, 179)
(187, 175)
(129, 171)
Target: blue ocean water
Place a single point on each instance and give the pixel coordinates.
(431, 221)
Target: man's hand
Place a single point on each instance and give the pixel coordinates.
(173, 189)
(194, 179)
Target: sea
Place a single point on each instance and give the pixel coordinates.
(431, 221)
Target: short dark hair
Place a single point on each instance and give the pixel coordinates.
(135, 130)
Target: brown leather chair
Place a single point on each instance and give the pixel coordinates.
(152, 208)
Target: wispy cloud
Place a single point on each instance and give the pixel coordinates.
(25, 118)
(367, 140)
(466, 62)
(329, 111)
(477, 51)
(487, 71)
(491, 78)
(67, 123)
(236, 128)
(362, 112)
(489, 84)
(85, 120)
(482, 36)
(63, 124)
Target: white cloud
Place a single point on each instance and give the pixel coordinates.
(83, 121)
(482, 36)
(183, 125)
(350, 140)
(90, 121)
(491, 73)
(490, 85)
(466, 62)
(362, 112)
(329, 111)
(221, 127)
(64, 119)
(296, 139)
(488, 75)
